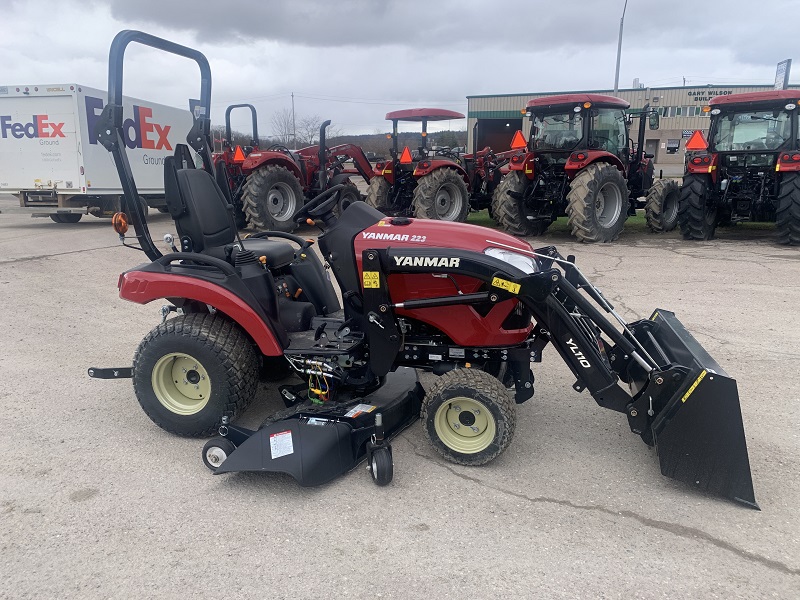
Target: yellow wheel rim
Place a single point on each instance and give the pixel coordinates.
(465, 425)
(181, 383)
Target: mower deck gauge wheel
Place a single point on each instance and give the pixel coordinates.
(381, 467)
(216, 451)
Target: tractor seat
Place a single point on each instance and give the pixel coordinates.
(204, 224)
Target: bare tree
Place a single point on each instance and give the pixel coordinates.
(282, 128)
(308, 130)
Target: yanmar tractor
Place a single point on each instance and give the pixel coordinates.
(433, 184)
(579, 162)
(470, 304)
(279, 181)
(228, 163)
(750, 168)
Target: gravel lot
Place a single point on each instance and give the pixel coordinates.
(97, 502)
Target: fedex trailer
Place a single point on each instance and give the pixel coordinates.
(51, 159)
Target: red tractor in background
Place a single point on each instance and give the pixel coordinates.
(278, 181)
(433, 183)
(228, 164)
(749, 170)
(579, 162)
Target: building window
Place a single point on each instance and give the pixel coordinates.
(673, 146)
(679, 111)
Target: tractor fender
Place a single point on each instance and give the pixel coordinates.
(576, 164)
(704, 164)
(385, 170)
(143, 287)
(788, 165)
(424, 167)
(523, 162)
(256, 160)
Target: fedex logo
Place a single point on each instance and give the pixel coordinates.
(139, 132)
(39, 127)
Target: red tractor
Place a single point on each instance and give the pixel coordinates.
(579, 162)
(279, 180)
(228, 164)
(750, 168)
(433, 184)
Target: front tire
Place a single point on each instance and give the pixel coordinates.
(696, 217)
(787, 217)
(271, 196)
(192, 370)
(510, 212)
(661, 205)
(442, 196)
(597, 203)
(469, 417)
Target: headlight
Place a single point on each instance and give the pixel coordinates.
(526, 264)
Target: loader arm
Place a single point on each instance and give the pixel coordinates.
(362, 165)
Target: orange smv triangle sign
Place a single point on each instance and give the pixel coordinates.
(697, 141)
(405, 157)
(518, 141)
(238, 155)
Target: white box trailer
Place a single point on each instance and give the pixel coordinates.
(51, 159)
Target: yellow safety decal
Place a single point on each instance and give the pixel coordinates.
(778, 167)
(528, 169)
(372, 279)
(694, 385)
(504, 284)
(655, 314)
(711, 168)
(387, 172)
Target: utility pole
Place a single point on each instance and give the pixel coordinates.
(294, 126)
(619, 48)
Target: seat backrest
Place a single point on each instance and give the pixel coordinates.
(196, 203)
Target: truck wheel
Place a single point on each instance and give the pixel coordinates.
(696, 217)
(441, 195)
(378, 195)
(597, 203)
(469, 416)
(66, 217)
(192, 370)
(788, 213)
(271, 196)
(661, 205)
(510, 212)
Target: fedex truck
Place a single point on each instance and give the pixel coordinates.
(51, 159)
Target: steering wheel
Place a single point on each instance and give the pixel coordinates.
(320, 206)
(280, 148)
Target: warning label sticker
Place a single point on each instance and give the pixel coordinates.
(504, 284)
(280, 444)
(359, 409)
(372, 279)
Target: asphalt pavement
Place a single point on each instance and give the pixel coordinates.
(98, 502)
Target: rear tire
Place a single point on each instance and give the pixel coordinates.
(469, 416)
(597, 203)
(510, 212)
(787, 217)
(442, 196)
(66, 217)
(696, 218)
(378, 195)
(271, 196)
(661, 205)
(192, 370)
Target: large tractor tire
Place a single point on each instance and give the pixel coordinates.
(271, 196)
(788, 214)
(378, 195)
(510, 212)
(192, 370)
(661, 205)
(441, 195)
(469, 416)
(347, 195)
(597, 203)
(697, 219)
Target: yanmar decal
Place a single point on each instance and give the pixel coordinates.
(427, 261)
(393, 237)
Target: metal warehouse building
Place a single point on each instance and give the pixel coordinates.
(498, 117)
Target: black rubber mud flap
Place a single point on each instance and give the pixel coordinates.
(699, 434)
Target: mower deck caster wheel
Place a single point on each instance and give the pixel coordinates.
(216, 451)
(381, 468)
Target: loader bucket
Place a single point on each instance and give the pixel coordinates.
(699, 433)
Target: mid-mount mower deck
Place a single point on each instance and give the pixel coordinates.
(472, 305)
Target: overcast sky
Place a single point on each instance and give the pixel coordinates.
(352, 61)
